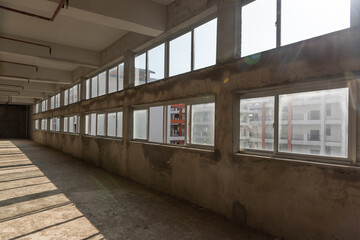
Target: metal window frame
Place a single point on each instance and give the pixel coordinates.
(276, 91)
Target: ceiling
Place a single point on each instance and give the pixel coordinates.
(76, 37)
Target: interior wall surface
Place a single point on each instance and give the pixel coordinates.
(13, 121)
(288, 198)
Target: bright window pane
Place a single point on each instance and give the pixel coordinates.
(93, 124)
(140, 69)
(156, 124)
(156, 58)
(75, 93)
(66, 97)
(101, 124)
(71, 124)
(203, 124)
(140, 124)
(113, 73)
(176, 118)
(76, 124)
(94, 87)
(180, 55)
(258, 27)
(314, 122)
(111, 126)
(87, 124)
(88, 89)
(102, 84)
(256, 123)
(205, 44)
(119, 124)
(66, 129)
(304, 19)
(121, 77)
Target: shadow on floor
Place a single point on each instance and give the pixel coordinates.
(64, 198)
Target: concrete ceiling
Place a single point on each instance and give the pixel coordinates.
(76, 37)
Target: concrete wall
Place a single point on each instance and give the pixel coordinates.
(13, 121)
(288, 198)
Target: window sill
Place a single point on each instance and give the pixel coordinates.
(185, 147)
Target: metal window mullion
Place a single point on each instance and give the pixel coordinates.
(278, 23)
(147, 75)
(276, 124)
(192, 50)
(148, 124)
(166, 61)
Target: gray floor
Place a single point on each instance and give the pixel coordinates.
(45, 194)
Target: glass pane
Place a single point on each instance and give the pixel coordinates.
(258, 27)
(87, 124)
(101, 124)
(205, 44)
(71, 124)
(102, 84)
(111, 126)
(156, 124)
(140, 69)
(52, 99)
(304, 19)
(119, 124)
(94, 87)
(88, 89)
(256, 123)
(121, 77)
(140, 124)
(75, 93)
(180, 55)
(66, 124)
(156, 63)
(203, 124)
(66, 97)
(176, 118)
(93, 124)
(113, 73)
(76, 124)
(314, 122)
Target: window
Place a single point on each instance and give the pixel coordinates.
(55, 124)
(52, 102)
(121, 76)
(328, 109)
(74, 94)
(303, 124)
(304, 19)
(256, 123)
(119, 124)
(73, 124)
(156, 63)
(66, 123)
(114, 124)
(44, 124)
(90, 124)
(36, 124)
(205, 44)
(87, 94)
(94, 87)
(140, 124)
(36, 108)
(102, 84)
(66, 97)
(44, 105)
(258, 27)
(180, 55)
(203, 124)
(172, 123)
(100, 125)
(57, 100)
(313, 132)
(140, 69)
(156, 124)
(113, 80)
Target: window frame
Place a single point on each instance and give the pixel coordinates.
(306, 86)
(189, 102)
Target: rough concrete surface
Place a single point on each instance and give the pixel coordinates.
(45, 194)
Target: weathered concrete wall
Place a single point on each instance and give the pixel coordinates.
(13, 121)
(292, 199)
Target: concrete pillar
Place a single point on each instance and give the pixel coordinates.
(129, 69)
(229, 30)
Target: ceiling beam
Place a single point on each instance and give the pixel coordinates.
(29, 86)
(59, 53)
(140, 16)
(42, 75)
(16, 100)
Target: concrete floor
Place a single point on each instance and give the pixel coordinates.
(45, 194)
